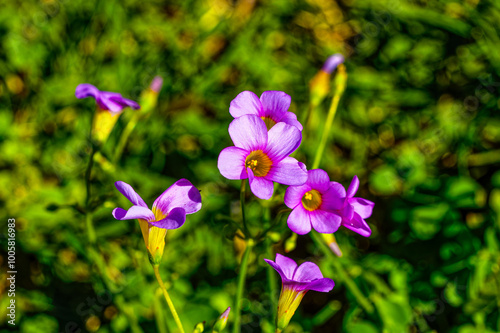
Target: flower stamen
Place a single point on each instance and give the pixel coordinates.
(259, 163)
(311, 200)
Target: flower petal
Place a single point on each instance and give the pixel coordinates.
(353, 188)
(130, 193)
(332, 62)
(362, 206)
(306, 272)
(231, 163)
(347, 212)
(323, 285)
(318, 179)
(277, 268)
(334, 198)
(325, 222)
(290, 118)
(288, 171)
(182, 194)
(126, 102)
(86, 90)
(174, 220)
(261, 187)
(245, 103)
(109, 101)
(134, 212)
(299, 220)
(287, 265)
(358, 225)
(294, 194)
(283, 139)
(275, 103)
(248, 132)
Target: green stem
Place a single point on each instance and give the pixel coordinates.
(160, 321)
(124, 137)
(242, 202)
(340, 80)
(91, 235)
(167, 298)
(271, 273)
(241, 286)
(342, 274)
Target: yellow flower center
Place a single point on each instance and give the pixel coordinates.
(259, 162)
(269, 122)
(311, 200)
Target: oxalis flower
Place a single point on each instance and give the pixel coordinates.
(315, 204)
(109, 107)
(272, 107)
(169, 212)
(296, 281)
(355, 210)
(262, 156)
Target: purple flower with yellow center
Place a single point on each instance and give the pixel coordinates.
(355, 210)
(272, 107)
(296, 281)
(168, 212)
(262, 156)
(315, 204)
(109, 107)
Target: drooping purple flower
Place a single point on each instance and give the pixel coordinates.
(296, 281)
(315, 204)
(111, 101)
(332, 62)
(262, 156)
(168, 212)
(355, 210)
(272, 107)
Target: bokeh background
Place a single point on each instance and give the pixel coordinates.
(419, 124)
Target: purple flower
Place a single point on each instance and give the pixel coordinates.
(315, 204)
(262, 156)
(272, 107)
(111, 101)
(355, 210)
(296, 281)
(168, 212)
(332, 62)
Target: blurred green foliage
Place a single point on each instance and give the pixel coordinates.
(419, 124)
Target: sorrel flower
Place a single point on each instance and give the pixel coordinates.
(109, 107)
(262, 156)
(315, 204)
(355, 210)
(272, 107)
(220, 324)
(296, 281)
(332, 62)
(169, 212)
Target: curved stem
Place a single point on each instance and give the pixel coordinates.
(241, 286)
(124, 137)
(167, 298)
(350, 284)
(341, 79)
(271, 273)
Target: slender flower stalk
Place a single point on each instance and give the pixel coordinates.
(340, 83)
(241, 285)
(167, 298)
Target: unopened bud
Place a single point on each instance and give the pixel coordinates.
(220, 324)
(199, 328)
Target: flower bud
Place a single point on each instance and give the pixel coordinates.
(220, 324)
(319, 85)
(199, 328)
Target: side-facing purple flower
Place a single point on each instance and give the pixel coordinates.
(111, 101)
(272, 107)
(355, 210)
(168, 212)
(332, 62)
(296, 281)
(315, 204)
(262, 156)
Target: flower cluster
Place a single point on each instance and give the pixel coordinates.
(264, 134)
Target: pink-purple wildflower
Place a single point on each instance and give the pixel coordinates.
(111, 101)
(272, 107)
(262, 156)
